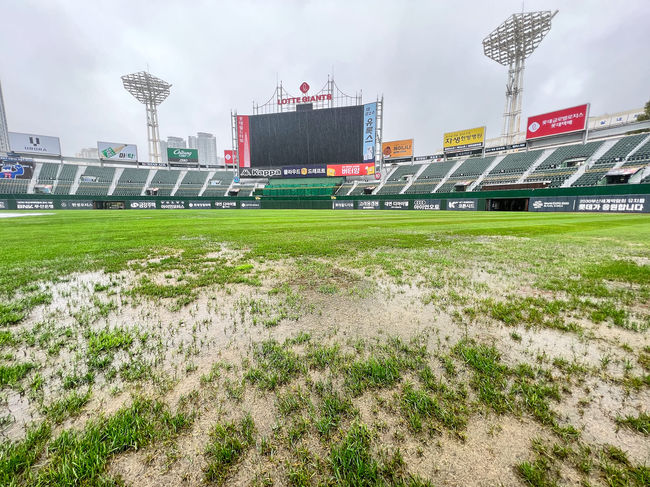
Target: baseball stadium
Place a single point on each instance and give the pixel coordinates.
(324, 306)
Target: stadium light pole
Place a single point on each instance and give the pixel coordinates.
(509, 45)
(152, 92)
(4, 129)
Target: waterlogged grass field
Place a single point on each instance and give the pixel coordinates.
(324, 348)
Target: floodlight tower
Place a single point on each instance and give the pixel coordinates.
(510, 44)
(152, 92)
(4, 134)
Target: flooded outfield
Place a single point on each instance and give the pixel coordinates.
(458, 359)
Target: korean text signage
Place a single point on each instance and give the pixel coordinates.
(396, 205)
(110, 151)
(365, 169)
(369, 131)
(464, 139)
(243, 141)
(34, 144)
(319, 171)
(229, 157)
(462, 205)
(426, 204)
(368, 205)
(199, 205)
(225, 205)
(614, 204)
(4, 205)
(397, 148)
(343, 205)
(172, 205)
(77, 205)
(557, 203)
(142, 205)
(560, 122)
(182, 155)
(34, 205)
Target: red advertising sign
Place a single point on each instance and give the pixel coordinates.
(560, 122)
(229, 157)
(364, 169)
(243, 141)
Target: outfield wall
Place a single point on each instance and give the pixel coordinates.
(630, 198)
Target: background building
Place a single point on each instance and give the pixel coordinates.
(88, 153)
(206, 143)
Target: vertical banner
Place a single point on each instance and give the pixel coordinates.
(229, 157)
(243, 141)
(369, 131)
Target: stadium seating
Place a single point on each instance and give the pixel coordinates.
(399, 178)
(48, 173)
(164, 180)
(469, 171)
(361, 187)
(302, 187)
(643, 154)
(620, 149)
(594, 175)
(192, 183)
(554, 168)
(131, 182)
(245, 190)
(99, 187)
(511, 168)
(430, 177)
(219, 183)
(65, 179)
(13, 185)
(345, 188)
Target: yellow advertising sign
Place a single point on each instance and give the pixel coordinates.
(397, 148)
(464, 139)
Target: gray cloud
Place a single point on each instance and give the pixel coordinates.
(61, 62)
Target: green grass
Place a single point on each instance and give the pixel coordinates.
(11, 375)
(228, 442)
(640, 423)
(69, 405)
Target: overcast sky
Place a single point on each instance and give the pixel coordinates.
(61, 62)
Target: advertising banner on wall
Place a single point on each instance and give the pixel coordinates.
(462, 205)
(34, 205)
(250, 205)
(225, 205)
(368, 205)
(10, 169)
(77, 205)
(229, 157)
(397, 148)
(343, 205)
(142, 205)
(319, 171)
(199, 205)
(114, 151)
(365, 169)
(172, 205)
(182, 155)
(637, 203)
(4, 205)
(426, 204)
(243, 141)
(563, 121)
(34, 144)
(464, 139)
(369, 131)
(557, 203)
(396, 205)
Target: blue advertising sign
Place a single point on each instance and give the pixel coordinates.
(369, 131)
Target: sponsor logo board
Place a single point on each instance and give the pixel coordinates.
(559, 203)
(4, 205)
(77, 205)
(243, 141)
(34, 205)
(199, 205)
(397, 148)
(172, 205)
(396, 205)
(142, 205)
(304, 171)
(15, 170)
(114, 151)
(254, 172)
(229, 157)
(368, 205)
(343, 205)
(182, 155)
(462, 205)
(364, 169)
(614, 204)
(563, 121)
(426, 204)
(34, 144)
(369, 131)
(464, 139)
(225, 205)
(250, 205)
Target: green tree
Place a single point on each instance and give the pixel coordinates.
(646, 114)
